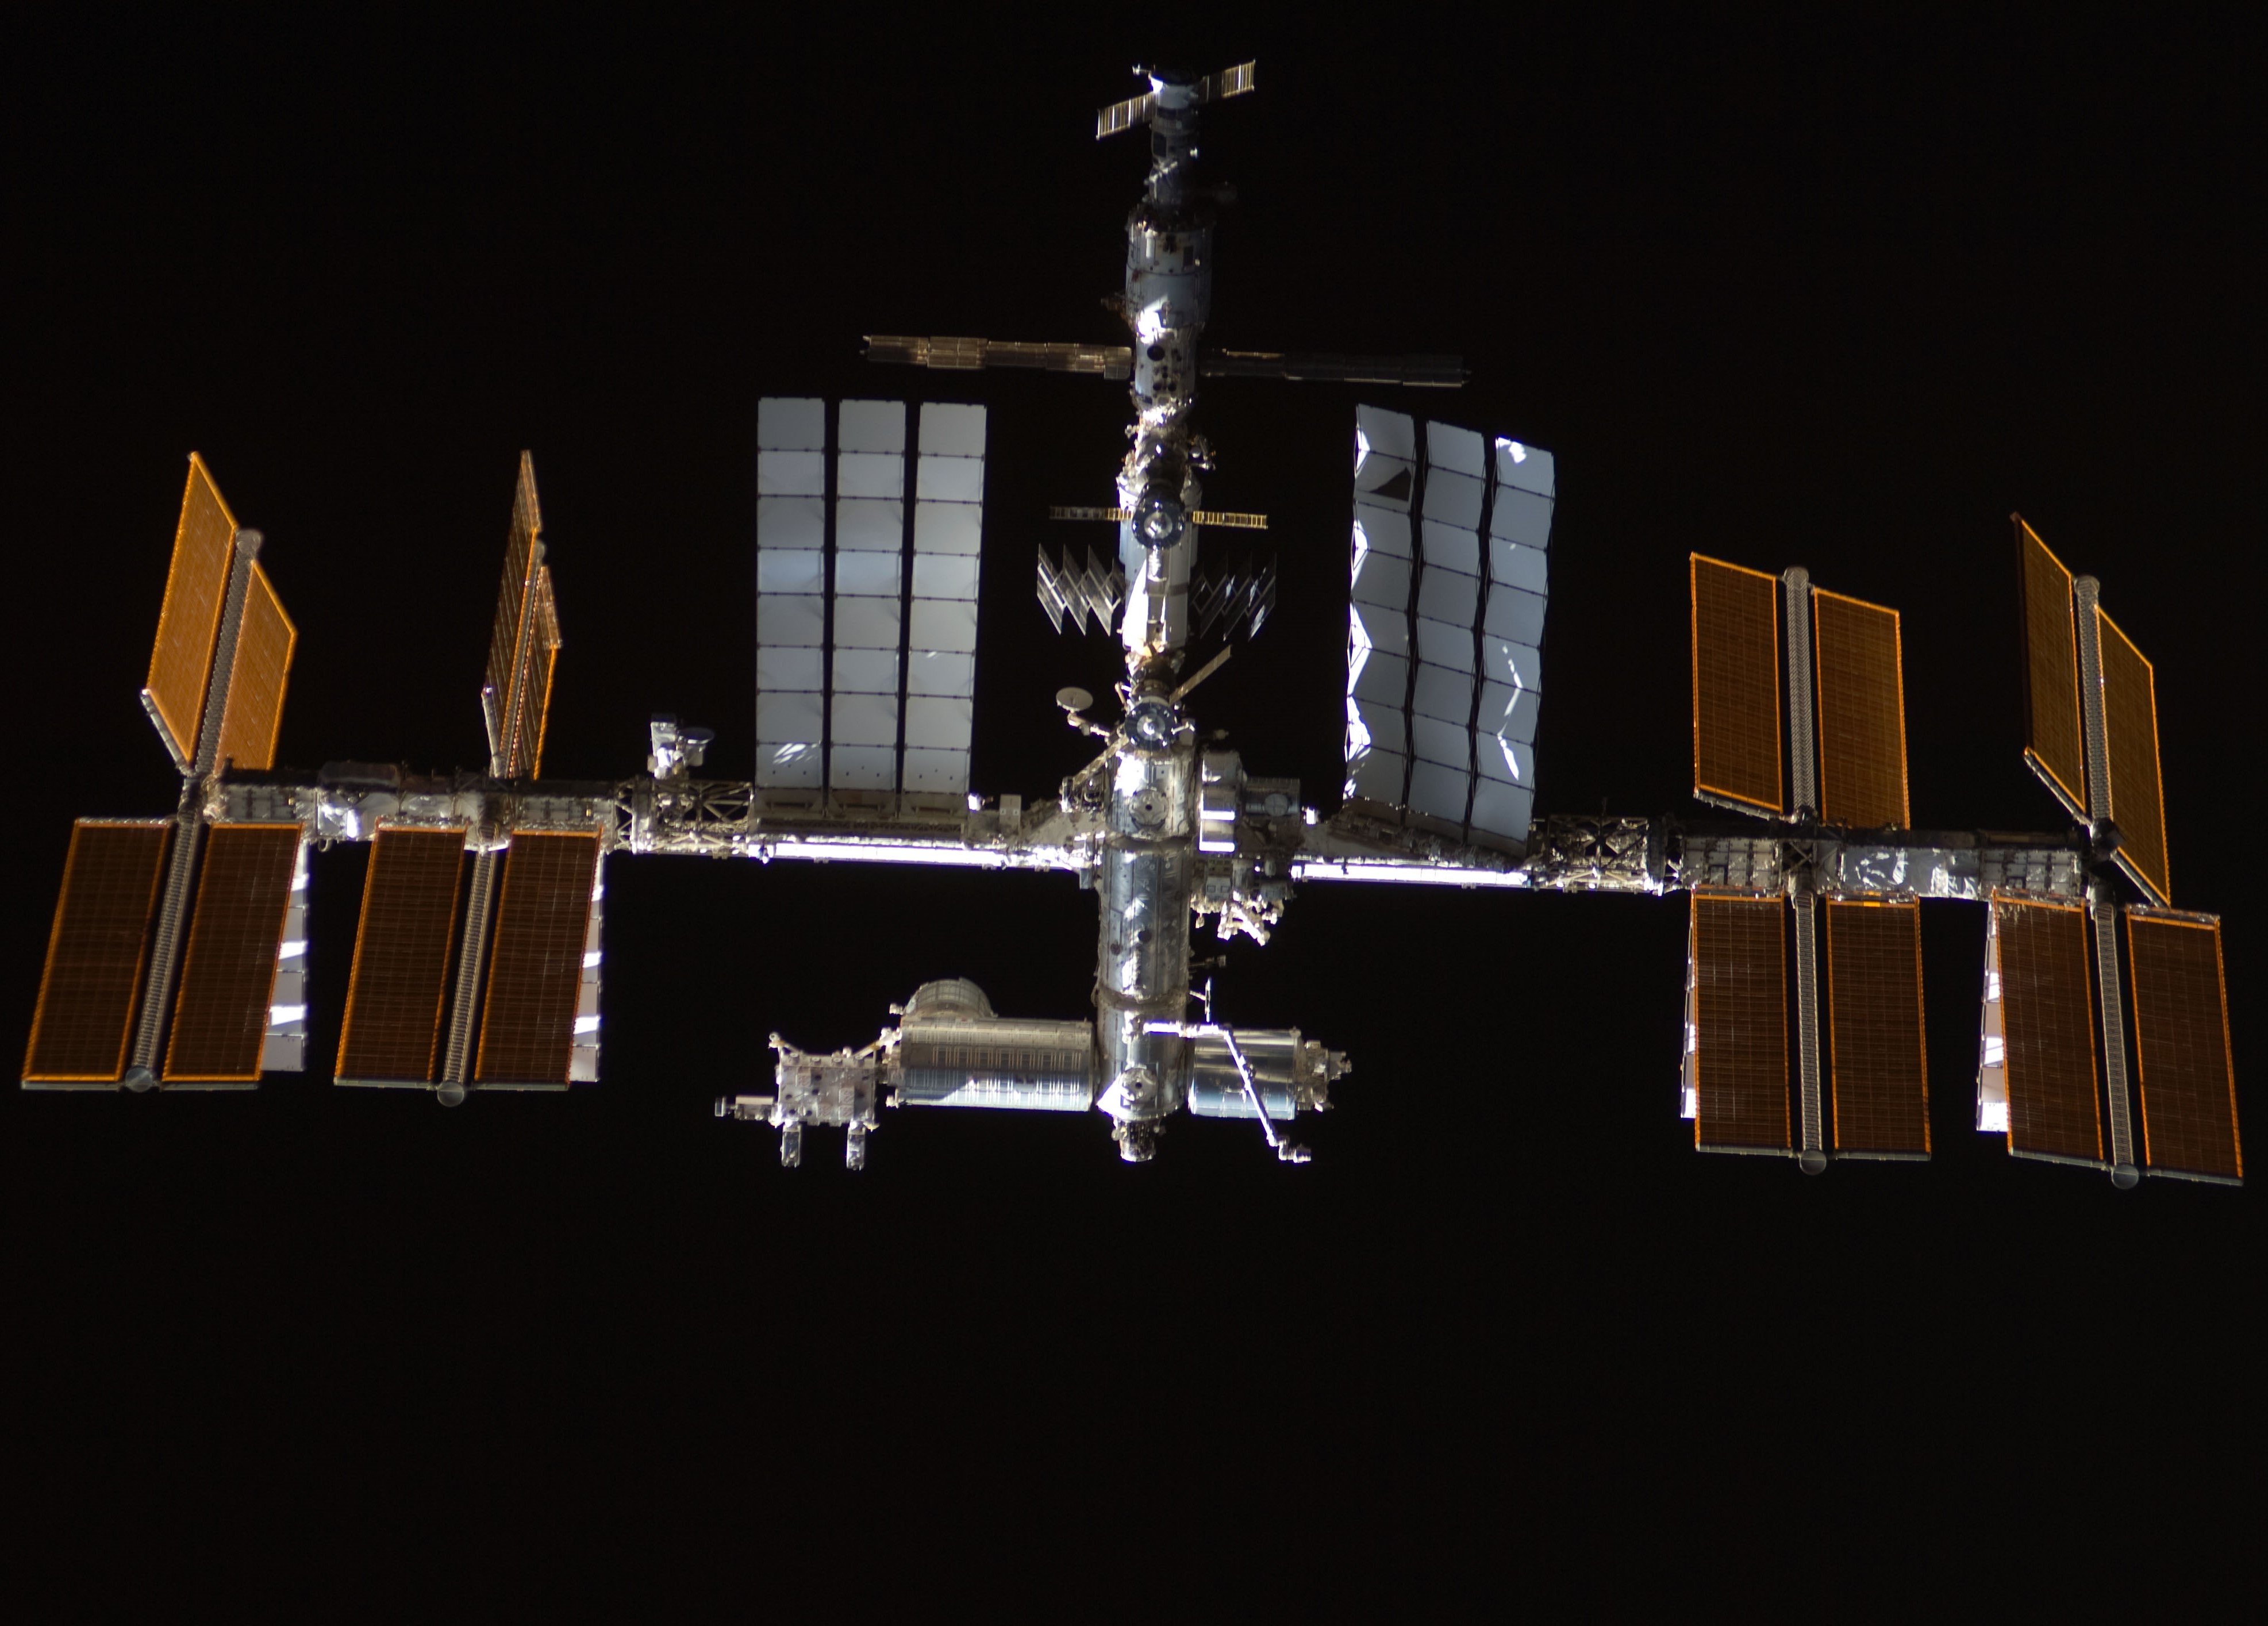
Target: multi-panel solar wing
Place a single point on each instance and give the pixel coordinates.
(869, 518)
(537, 970)
(2038, 1082)
(1736, 723)
(91, 984)
(2134, 795)
(1447, 587)
(1736, 1057)
(2181, 1046)
(2053, 737)
(397, 994)
(1862, 724)
(251, 879)
(253, 714)
(1879, 1072)
(189, 622)
(517, 650)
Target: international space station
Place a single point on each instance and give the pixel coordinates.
(177, 956)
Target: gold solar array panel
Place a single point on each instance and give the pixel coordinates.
(243, 892)
(528, 1025)
(2048, 1010)
(541, 666)
(1740, 1022)
(512, 604)
(2053, 742)
(1874, 1027)
(2130, 724)
(1736, 750)
(96, 951)
(1862, 716)
(398, 992)
(2181, 1046)
(196, 586)
(265, 639)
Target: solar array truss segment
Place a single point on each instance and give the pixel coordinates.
(88, 989)
(2136, 794)
(244, 892)
(502, 698)
(265, 639)
(196, 586)
(1880, 1077)
(2181, 1045)
(2054, 742)
(1739, 973)
(2047, 1005)
(1862, 717)
(527, 1023)
(397, 994)
(1736, 733)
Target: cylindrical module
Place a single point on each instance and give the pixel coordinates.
(1148, 870)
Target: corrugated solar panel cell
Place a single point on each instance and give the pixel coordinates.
(1874, 1026)
(265, 639)
(1741, 1017)
(2052, 738)
(243, 891)
(1736, 749)
(2130, 724)
(527, 1026)
(2181, 1046)
(398, 993)
(1862, 719)
(96, 951)
(196, 585)
(2048, 1011)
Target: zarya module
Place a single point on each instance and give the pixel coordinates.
(177, 958)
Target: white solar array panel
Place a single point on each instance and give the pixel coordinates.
(1446, 626)
(868, 686)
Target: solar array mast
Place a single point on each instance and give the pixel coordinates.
(177, 953)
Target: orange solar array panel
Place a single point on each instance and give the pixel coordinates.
(527, 1026)
(1874, 1026)
(196, 585)
(96, 951)
(2053, 740)
(2181, 1046)
(542, 664)
(265, 639)
(243, 893)
(1736, 751)
(2047, 1007)
(2130, 724)
(1862, 714)
(514, 600)
(398, 994)
(1740, 1022)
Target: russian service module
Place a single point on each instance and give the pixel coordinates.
(177, 955)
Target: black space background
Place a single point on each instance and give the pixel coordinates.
(1778, 293)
